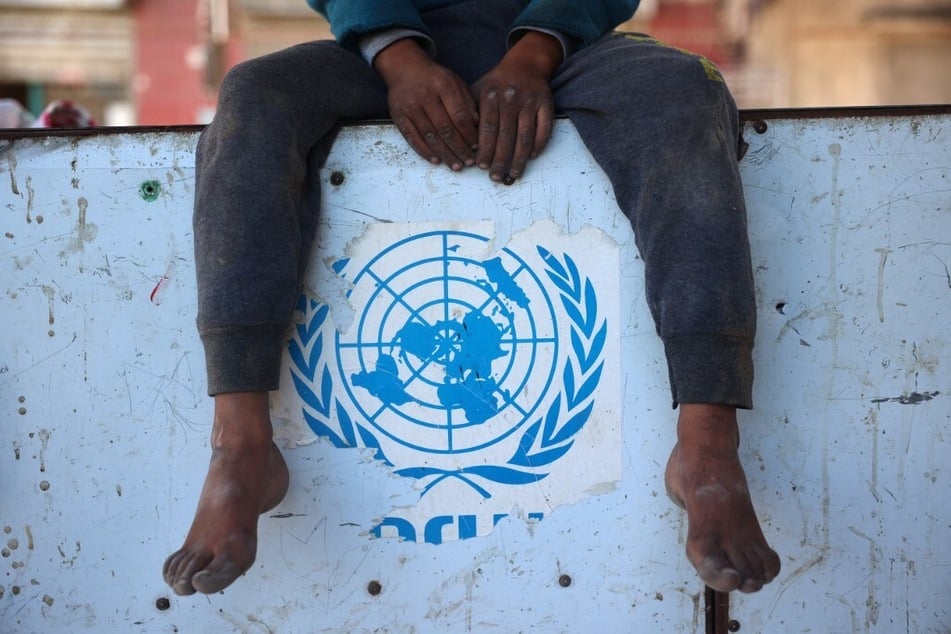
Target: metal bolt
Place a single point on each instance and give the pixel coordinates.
(564, 581)
(761, 127)
(336, 178)
(162, 603)
(150, 190)
(508, 180)
(374, 588)
(733, 626)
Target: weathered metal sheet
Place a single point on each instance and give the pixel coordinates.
(106, 422)
(851, 226)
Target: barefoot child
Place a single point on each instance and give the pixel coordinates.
(477, 83)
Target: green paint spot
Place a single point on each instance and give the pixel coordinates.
(150, 191)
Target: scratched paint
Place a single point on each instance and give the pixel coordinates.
(864, 241)
(158, 293)
(106, 423)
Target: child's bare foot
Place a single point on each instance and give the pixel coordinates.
(704, 475)
(247, 476)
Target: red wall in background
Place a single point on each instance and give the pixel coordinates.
(171, 44)
(694, 27)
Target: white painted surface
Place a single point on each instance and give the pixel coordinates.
(105, 421)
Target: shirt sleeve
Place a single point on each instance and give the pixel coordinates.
(568, 44)
(372, 43)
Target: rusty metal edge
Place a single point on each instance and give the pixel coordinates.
(851, 112)
(746, 115)
(33, 133)
(716, 611)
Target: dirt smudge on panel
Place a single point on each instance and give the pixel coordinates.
(12, 163)
(30, 196)
(913, 398)
(44, 443)
(85, 231)
(68, 561)
(883, 258)
(50, 293)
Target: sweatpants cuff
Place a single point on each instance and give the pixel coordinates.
(243, 359)
(712, 369)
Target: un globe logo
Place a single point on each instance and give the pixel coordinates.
(462, 361)
(450, 352)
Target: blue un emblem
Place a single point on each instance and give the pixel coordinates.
(462, 363)
(447, 343)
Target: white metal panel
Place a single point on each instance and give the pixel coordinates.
(851, 227)
(106, 421)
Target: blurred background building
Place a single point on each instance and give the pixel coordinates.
(157, 62)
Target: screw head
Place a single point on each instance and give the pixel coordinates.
(733, 626)
(336, 178)
(162, 603)
(374, 588)
(564, 581)
(760, 126)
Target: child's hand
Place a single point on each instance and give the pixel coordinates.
(430, 104)
(516, 110)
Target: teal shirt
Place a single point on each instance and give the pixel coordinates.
(583, 20)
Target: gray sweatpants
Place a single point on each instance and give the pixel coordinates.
(659, 121)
